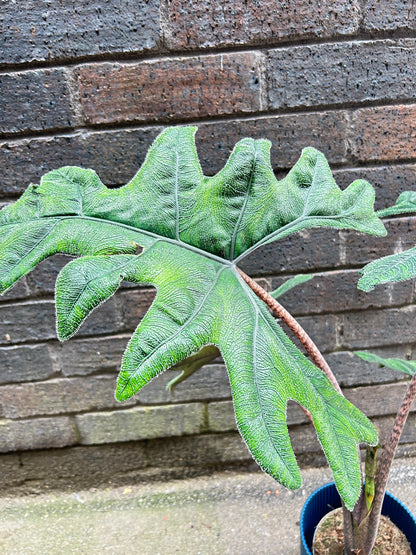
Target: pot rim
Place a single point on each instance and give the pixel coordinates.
(389, 501)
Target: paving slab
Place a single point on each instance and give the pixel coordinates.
(225, 513)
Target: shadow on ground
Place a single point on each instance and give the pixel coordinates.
(226, 513)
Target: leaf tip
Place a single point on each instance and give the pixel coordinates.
(366, 285)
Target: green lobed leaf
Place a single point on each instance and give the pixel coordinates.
(401, 365)
(265, 368)
(192, 230)
(405, 204)
(290, 284)
(396, 267)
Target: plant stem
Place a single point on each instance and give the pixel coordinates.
(294, 326)
(386, 459)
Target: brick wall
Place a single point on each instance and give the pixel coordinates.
(93, 85)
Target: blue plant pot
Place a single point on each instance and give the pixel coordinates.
(327, 498)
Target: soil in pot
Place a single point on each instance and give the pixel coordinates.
(329, 537)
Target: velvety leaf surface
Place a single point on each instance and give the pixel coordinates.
(182, 232)
(396, 267)
(405, 204)
(401, 365)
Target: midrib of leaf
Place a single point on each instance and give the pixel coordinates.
(176, 193)
(77, 185)
(186, 323)
(244, 207)
(38, 243)
(276, 234)
(139, 231)
(283, 346)
(254, 355)
(100, 277)
(305, 205)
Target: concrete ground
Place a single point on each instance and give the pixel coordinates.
(226, 513)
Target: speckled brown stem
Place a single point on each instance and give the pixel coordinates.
(386, 459)
(294, 326)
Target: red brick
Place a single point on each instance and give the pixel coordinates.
(204, 24)
(384, 133)
(170, 88)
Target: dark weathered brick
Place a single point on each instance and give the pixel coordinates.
(83, 467)
(19, 291)
(201, 450)
(221, 417)
(388, 181)
(384, 133)
(322, 329)
(210, 382)
(289, 134)
(36, 320)
(170, 88)
(37, 433)
(389, 15)
(384, 425)
(34, 100)
(104, 319)
(41, 280)
(337, 292)
(79, 466)
(140, 423)
(58, 396)
(133, 306)
(196, 24)
(351, 370)
(114, 155)
(40, 31)
(300, 252)
(27, 322)
(345, 72)
(375, 328)
(359, 249)
(25, 363)
(304, 439)
(377, 400)
(80, 357)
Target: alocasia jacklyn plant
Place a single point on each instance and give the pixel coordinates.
(185, 233)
